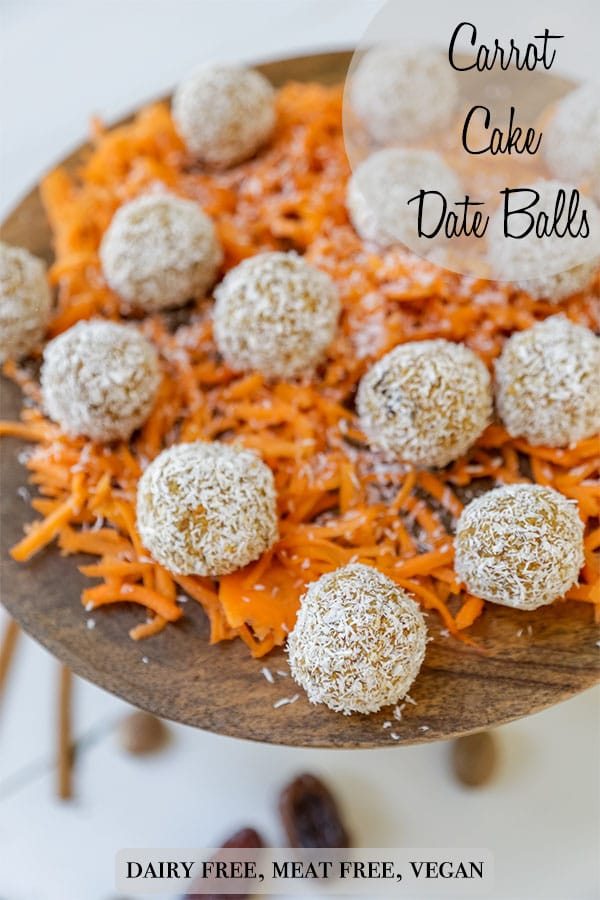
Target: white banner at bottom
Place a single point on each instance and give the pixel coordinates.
(358, 872)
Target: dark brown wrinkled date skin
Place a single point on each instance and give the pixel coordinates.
(310, 815)
(245, 839)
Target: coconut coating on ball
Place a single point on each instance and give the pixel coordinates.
(520, 545)
(224, 113)
(425, 402)
(553, 266)
(99, 379)
(25, 302)
(160, 251)
(358, 642)
(571, 142)
(548, 383)
(402, 94)
(380, 188)
(207, 508)
(277, 314)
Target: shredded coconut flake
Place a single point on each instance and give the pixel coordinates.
(425, 401)
(401, 94)
(553, 266)
(267, 674)
(572, 138)
(206, 509)
(359, 641)
(275, 313)
(520, 545)
(99, 379)
(285, 701)
(25, 302)
(224, 113)
(380, 188)
(548, 383)
(160, 251)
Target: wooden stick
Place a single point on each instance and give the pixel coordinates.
(65, 743)
(7, 650)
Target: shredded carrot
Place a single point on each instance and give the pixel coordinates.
(592, 541)
(220, 629)
(425, 563)
(23, 430)
(41, 533)
(405, 491)
(443, 493)
(103, 542)
(469, 612)
(338, 502)
(589, 593)
(114, 568)
(133, 593)
(147, 629)
(164, 583)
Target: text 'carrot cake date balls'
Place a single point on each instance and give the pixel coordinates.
(520, 545)
(160, 251)
(99, 379)
(548, 383)
(571, 142)
(207, 508)
(25, 302)
(402, 94)
(358, 642)
(224, 113)
(549, 266)
(381, 186)
(425, 402)
(277, 314)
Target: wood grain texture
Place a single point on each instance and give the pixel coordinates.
(532, 660)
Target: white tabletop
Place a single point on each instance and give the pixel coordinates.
(59, 63)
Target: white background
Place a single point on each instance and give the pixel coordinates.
(59, 63)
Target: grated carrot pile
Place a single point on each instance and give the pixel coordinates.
(338, 501)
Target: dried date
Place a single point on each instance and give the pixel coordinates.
(310, 815)
(244, 839)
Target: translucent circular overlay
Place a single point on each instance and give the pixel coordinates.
(474, 140)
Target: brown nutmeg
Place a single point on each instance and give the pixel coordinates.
(142, 733)
(475, 758)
